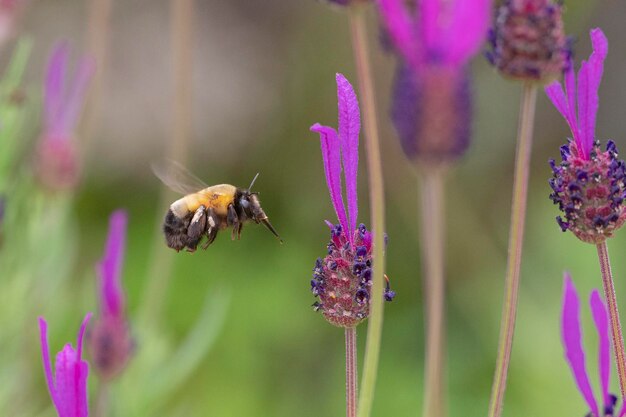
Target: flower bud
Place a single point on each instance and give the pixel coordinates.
(529, 42)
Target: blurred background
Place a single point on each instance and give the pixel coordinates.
(230, 331)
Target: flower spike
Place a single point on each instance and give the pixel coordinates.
(572, 342)
(342, 280)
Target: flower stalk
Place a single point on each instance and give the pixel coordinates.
(351, 372)
(616, 327)
(377, 196)
(516, 239)
(432, 229)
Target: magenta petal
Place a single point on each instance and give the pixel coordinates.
(65, 377)
(45, 354)
(584, 141)
(595, 68)
(349, 128)
(555, 93)
(622, 411)
(468, 29)
(110, 266)
(75, 99)
(601, 319)
(331, 154)
(430, 15)
(401, 29)
(572, 342)
(54, 86)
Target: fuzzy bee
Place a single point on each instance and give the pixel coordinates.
(204, 210)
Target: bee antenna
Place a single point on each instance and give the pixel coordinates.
(253, 180)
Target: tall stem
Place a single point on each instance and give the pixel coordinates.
(516, 239)
(432, 228)
(102, 400)
(351, 372)
(616, 327)
(98, 32)
(182, 12)
(377, 206)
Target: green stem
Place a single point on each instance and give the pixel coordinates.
(616, 327)
(351, 372)
(432, 230)
(102, 400)
(516, 239)
(377, 206)
(182, 12)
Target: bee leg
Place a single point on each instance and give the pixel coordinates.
(212, 226)
(239, 230)
(232, 219)
(196, 228)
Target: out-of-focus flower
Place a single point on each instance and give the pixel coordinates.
(56, 159)
(575, 355)
(68, 385)
(588, 184)
(342, 280)
(109, 340)
(529, 41)
(9, 14)
(431, 104)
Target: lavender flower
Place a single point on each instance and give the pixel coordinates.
(528, 40)
(56, 155)
(431, 104)
(68, 386)
(588, 184)
(9, 13)
(110, 342)
(575, 355)
(342, 280)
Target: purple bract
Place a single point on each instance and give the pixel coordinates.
(68, 385)
(575, 355)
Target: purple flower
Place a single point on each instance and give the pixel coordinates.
(57, 164)
(431, 104)
(110, 342)
(342, 280)
(575, 355)
(528, 40)
(588, 185)
(68, 385)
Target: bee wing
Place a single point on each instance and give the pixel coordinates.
(177, 177)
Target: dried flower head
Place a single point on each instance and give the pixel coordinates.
(431, 104)
(56, 159)
(109, 341)
(68, 385)
(588, 184)
(528, 41)
(575, 355)
(342, 280)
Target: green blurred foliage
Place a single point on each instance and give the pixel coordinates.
(234, 333)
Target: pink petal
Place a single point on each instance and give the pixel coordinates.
(595, 68)
(430, 12)
(601, 319)
(66, 383)
(349, 128)
(401, 29)
(110, 266)
(622, 411)
(331, 154)
(555, 93)
(468, 27)
(572, 342)
(54, 86)
(81, 334)
(584, 98)
(73, 106)
(45, 353)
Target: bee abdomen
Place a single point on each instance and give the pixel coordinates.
(175, 230)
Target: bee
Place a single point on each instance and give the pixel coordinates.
(204, 210)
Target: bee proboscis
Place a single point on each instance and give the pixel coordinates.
(204, 210)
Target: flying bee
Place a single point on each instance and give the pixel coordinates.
(204, 210)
